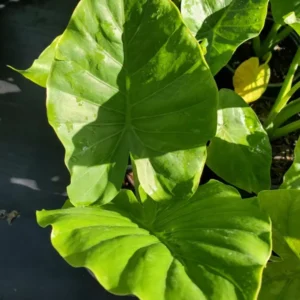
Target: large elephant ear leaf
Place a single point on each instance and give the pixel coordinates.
(225, 25)
(240, 153)
(281, 278)
(291, 179)
(287, 12)
(131, 79)
(40, 69)
(213, 246)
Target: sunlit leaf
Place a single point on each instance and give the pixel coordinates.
(112, 92)
(281, 279)
(213, 246)
(40, 69)
(241, 152)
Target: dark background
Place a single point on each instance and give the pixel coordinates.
(32, 172)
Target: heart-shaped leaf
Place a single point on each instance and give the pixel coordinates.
(225, 24)
(251, 80)
(213, 246)
(241, 152)
(281, 278)
(291, 179)
(287, 12)
(131, 79)
(40, 69)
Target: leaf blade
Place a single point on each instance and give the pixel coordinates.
(225, 24)
(210, 262)
(241, 152)
(40, 69)
(110, 95)
(281, 279)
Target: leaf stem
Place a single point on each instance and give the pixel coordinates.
(285, 92)
(268, 42)
(284, 33)
(232, 70)
(271, 85)
(287, 112)
(256, 45)
(285, 130)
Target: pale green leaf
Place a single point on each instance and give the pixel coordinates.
(240, 153)
(225, 24)
(40, 69)
(281, 279)
(131, 79)
(291, 179)
(213, 246)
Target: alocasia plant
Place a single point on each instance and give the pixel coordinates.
(112, 92)
(224, 24)
(127, 78)
(212, 246)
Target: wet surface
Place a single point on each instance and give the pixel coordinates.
(32, 172)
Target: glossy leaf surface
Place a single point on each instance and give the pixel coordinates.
(241, 152)
(40, 69)
(291, 179)
(251, 80)
(112, 92)
(225, 24)
(213, 246)
(281, 279)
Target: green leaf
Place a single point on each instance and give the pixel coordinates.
(133, 80)
(281, 279)
(40, 69)
(287, 12)
(291, 179)
(241, 152)
(225, 24)
(213, 246)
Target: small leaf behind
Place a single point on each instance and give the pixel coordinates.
(287, 12)
(225, 24)
(251, 80)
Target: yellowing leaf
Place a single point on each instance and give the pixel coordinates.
(250, 79)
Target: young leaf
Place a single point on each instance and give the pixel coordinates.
(241, 152)
(40, 69)
(287, 12)
(225, 24)
(291, 179)
(133, 80)
(251, 80)
(281, 279)
(213, 246)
